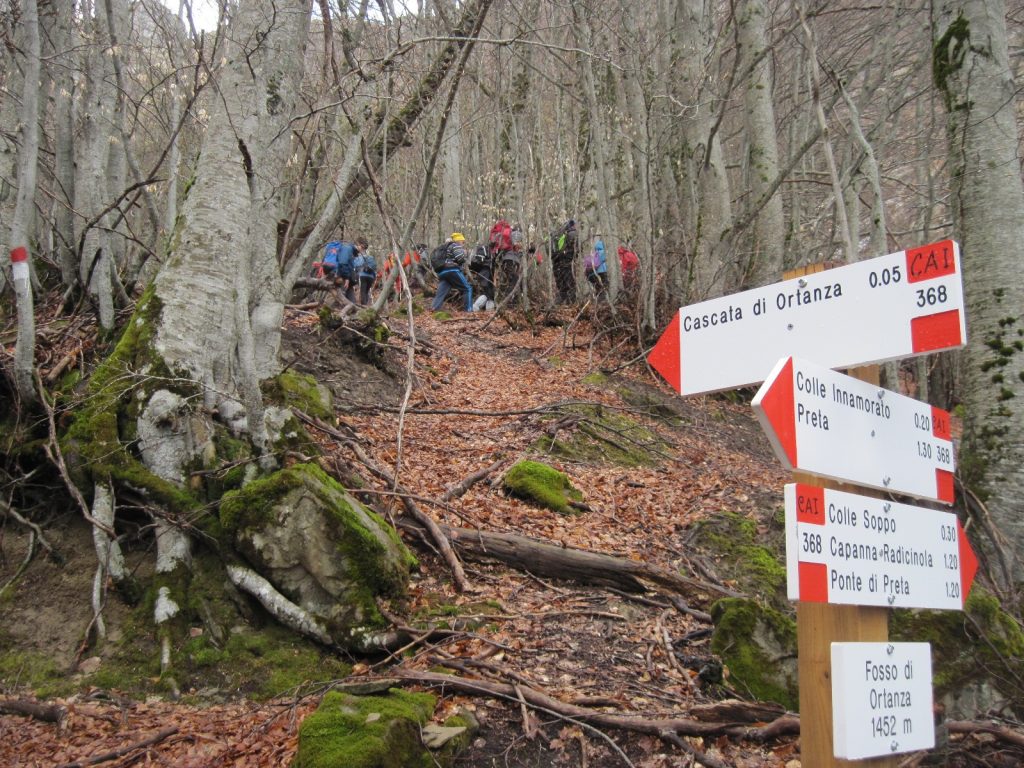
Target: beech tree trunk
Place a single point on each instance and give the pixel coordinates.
(24, 207)
(972, 71)
(763, 263)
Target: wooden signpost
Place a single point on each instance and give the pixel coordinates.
(862, 698)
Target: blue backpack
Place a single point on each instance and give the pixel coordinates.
(365, 265)
(340, 254)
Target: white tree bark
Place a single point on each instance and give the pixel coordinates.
(24, 207)
(453, 215)
(973, 73)
(231, 214)
(768, 234)
(606, 221)
(705, 179)
(64, 34)
(91, 190)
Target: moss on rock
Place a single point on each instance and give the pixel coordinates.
(977, 654)
(366, 732)
(602, 435)
(301, 391)
(758, 645)
(542, 484)
(749, 556)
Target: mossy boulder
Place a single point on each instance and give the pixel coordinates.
(748, 553)
(977, 655)
(320, 547)
(758, 645)
(596, 434)
(542, 484)
(366, 732)
(301, 391)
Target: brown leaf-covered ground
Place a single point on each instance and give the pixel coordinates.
(482, 394)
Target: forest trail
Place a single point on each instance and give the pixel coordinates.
(486, 394)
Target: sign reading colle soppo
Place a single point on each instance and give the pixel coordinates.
(839, 427)
(894, 306)
(847, 549)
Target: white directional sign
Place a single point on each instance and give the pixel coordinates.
(835, 426)
(846, 549)
(894, 306)
(881, 699)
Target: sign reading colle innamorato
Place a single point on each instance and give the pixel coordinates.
(835, 426)
(847, 549)
(899, 305)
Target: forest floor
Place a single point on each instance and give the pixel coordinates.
(484, 393)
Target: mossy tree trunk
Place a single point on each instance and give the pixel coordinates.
(972, 71)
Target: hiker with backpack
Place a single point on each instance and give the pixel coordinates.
(481, 267)
(505, 244)
(564, 251)
(364, 267)
(337, 263)
(447, 261)
(595, 267)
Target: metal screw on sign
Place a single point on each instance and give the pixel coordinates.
(887, 506)
(894, 746)
(892, 599)
(890, 649)
(886, 481)
(881, 394)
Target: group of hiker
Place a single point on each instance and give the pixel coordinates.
(352, 267)
(483, 274)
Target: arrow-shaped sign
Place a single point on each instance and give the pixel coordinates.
(829, 424)
(899, 305)
(846, 549)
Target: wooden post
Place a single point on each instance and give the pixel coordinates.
(818, 625)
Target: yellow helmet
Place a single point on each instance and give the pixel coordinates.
(458, 237)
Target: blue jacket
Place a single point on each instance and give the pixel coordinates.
(596, 261)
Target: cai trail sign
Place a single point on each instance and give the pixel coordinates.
(895, 306)
(835, 426)
(847, 549)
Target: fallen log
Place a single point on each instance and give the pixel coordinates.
(50, 713)
(557, 562)
(1002, 733)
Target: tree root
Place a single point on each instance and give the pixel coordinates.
(667, 729)
(280, 607)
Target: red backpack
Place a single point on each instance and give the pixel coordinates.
(501, 236)
(628, 262)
